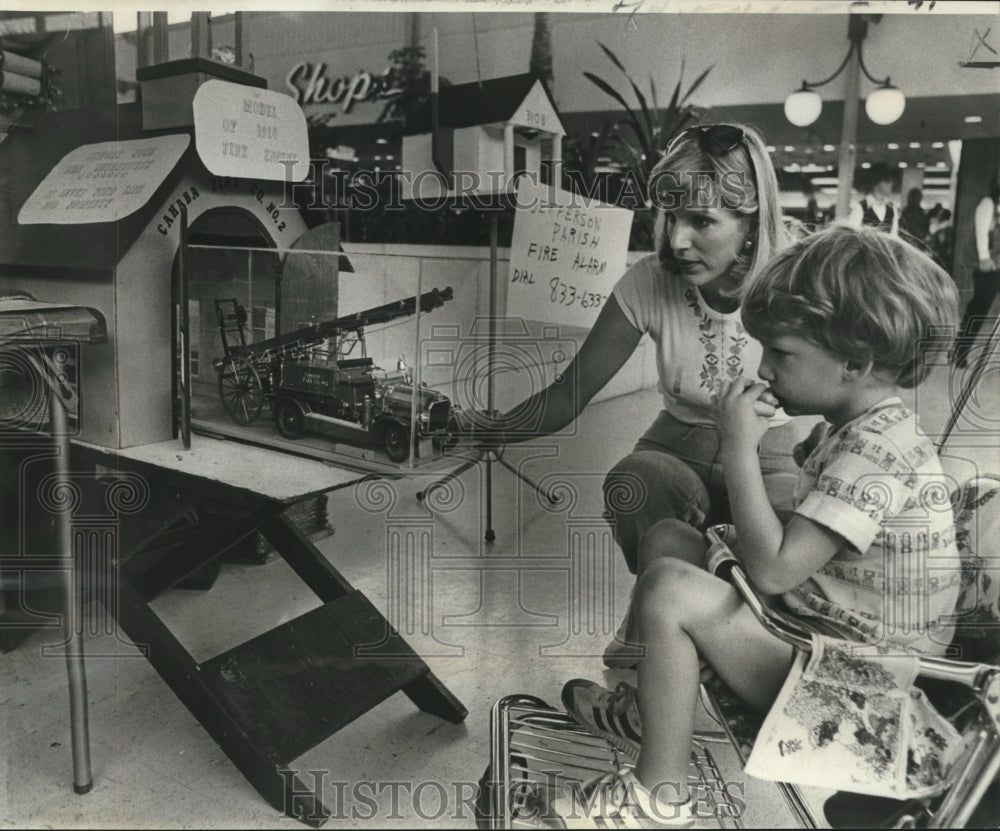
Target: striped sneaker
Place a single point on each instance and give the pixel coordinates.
(612, 715)
(619, 800)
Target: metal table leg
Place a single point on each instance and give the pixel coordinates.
(76, 671)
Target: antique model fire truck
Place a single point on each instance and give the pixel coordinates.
(318, 390)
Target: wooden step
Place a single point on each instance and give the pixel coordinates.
(293, 687)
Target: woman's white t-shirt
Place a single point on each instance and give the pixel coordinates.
(697, 348)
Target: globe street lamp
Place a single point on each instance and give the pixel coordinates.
(884, 105)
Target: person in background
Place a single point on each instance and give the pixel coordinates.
(718, 222)
(840, 316)
(814, 216)
(914, 219)
(877, 209)
(940, 240)
(986, 277)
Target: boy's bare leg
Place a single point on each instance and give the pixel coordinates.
(667, 538)
(683, 611)
(671, 538)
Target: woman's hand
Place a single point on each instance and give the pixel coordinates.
(987, 265)
(478, 427)
(742, 413)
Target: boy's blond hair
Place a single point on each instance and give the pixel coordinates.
(860, 293)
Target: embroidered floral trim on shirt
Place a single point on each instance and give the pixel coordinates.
(713, 344)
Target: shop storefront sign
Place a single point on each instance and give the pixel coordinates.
(250, 133)
(308, 83)
(103, 182)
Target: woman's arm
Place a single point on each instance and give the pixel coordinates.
(610, 343)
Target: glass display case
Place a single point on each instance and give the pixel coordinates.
(297, 349)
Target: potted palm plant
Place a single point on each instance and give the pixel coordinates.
(633, 143)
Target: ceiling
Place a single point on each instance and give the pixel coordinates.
(924, 122)
(802, 154)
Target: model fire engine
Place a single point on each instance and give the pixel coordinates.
(312, 389)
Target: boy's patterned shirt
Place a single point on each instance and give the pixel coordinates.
(877, 482)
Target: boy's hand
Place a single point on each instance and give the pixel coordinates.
(742, 412)
(767, 404)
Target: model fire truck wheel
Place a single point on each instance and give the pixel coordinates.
(396, 440)
(240, 390)
(290, 416)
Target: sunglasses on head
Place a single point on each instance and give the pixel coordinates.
(717, 139)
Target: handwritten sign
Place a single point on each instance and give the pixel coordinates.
(103, 182)
(250, 133)
(566, 255)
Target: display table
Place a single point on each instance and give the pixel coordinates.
(268, 700)
(40, 390)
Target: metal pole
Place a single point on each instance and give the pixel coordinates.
(144, 22)
(848, 137)
(184, 323)
(490, 357)
(238, 47)
(75, 669)
(415, 372)
(161, 43)
(201, 35)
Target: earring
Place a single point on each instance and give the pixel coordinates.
(747, 245)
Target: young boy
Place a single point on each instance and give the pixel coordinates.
(846, 317)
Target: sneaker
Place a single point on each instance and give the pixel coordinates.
(620, 653)
(618, 800)
(612, 715)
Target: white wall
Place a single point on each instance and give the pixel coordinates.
(468, 150)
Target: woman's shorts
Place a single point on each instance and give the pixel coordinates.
(675, 472)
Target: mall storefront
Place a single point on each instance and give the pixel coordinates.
(356, 75)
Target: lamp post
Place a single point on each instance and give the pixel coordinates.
(884, 105)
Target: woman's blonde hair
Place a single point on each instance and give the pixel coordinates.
(741, 180)
(861, 294)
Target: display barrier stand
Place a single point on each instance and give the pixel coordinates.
(268, 700)
(489, 454)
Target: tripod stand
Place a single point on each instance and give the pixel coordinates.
(489, 453)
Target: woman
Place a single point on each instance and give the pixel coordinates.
(986, 277)
(718, 223)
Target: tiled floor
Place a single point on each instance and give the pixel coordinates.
(496, 619)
